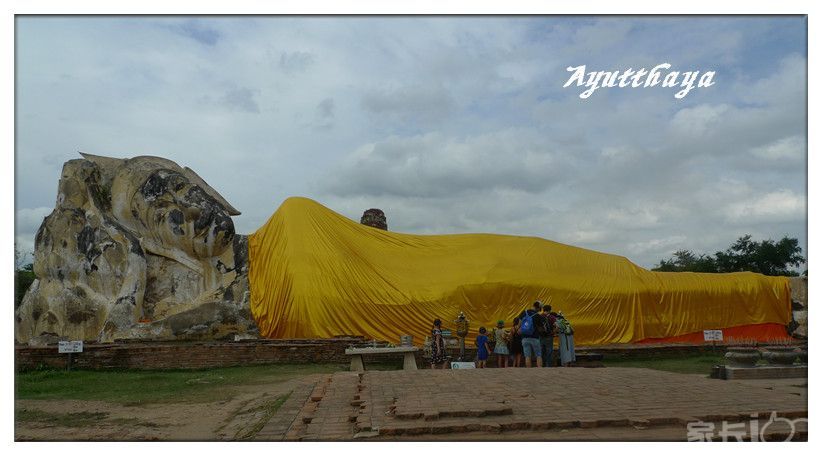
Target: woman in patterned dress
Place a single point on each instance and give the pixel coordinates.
(437, 345)
(501, 340)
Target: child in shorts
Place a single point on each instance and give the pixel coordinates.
(482, 348)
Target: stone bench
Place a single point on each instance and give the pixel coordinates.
(408, 361)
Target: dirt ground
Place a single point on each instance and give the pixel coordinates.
(104, 421)
(248, 411)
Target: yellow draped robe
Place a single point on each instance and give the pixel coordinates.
(314, 273)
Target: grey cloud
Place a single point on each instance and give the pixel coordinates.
(26, 223)
(198, 32)
(28, 220)
(488, 210)
(416, 103)
(785, 85)
(548, 215)
(600, 36)
(434, 165)
(450, 124)
(792, 149)
(240, 99)
(325, 108)
(634, 176)
(666, 149)
(296, 62)
(781, 205)
(699, 121)
(323, 115)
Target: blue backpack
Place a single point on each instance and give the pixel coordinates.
(526, 325)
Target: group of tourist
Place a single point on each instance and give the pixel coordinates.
(531, 335)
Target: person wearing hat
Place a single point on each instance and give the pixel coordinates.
(501, 337)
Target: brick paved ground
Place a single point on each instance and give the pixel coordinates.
(279, 426)
(542, 404)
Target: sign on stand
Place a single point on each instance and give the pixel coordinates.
(71, 347)
(462, 365)
(712, 335)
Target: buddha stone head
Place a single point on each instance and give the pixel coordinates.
(169, 207)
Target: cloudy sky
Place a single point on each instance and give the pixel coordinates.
(448, 124)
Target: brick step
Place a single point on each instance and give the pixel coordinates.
(335, 412)
(414, 415)
(497, 424)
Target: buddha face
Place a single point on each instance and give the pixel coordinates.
(179, 214)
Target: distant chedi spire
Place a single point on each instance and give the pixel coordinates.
(375, 218)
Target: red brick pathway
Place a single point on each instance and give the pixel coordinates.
(282, 425)
(402, 404)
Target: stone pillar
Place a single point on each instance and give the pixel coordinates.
(374, 218)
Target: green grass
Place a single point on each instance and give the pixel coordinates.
(693, 364)
(134, 387)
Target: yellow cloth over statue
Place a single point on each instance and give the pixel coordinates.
(314, 273)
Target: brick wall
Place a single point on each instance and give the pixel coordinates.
(198, 355)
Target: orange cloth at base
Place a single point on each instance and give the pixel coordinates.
(763, 332)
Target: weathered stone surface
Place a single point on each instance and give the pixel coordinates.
(799, 299)
(136, 248)
(375, 218)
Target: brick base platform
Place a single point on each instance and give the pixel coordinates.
(195, 355)
(402, 404)
(765, 372)
(199, 355)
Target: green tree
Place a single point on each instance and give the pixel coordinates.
(23, 277)
(767, 257)
(22, 281)
(775, 258)
(686, 260)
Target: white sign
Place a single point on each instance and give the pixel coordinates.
(70, 346)
(462, 365)
(712, 335)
